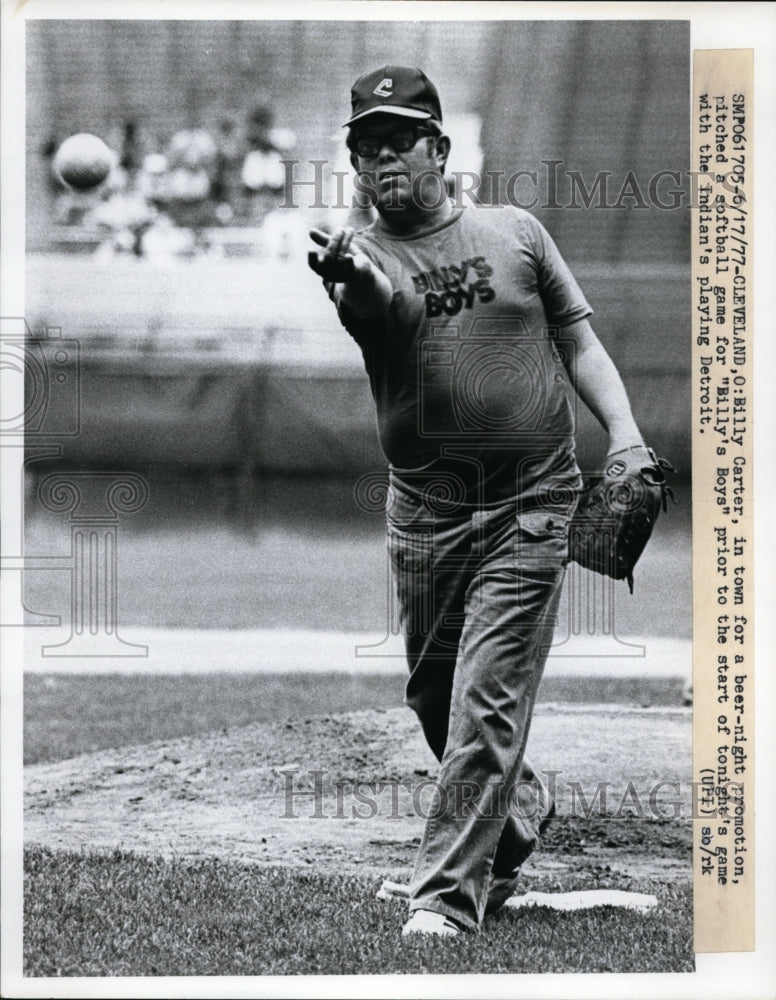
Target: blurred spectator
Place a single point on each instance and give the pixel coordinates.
(262, 174)
(185, 193)
(130, 155)
(152, 178)
(123, 219)
(225, 186)
(163, 204)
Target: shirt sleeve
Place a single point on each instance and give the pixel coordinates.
(563, 300)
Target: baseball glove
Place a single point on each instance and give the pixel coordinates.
(617, 512)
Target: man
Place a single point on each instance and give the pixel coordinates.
(473, 331)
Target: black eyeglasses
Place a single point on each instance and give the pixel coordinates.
(368, 146)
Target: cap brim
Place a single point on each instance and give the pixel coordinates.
(390, 109)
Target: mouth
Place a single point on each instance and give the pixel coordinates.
(391, 175)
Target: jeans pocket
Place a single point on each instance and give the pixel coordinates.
(410, 551)
(410, 554)
(542, 538)
(406, 512)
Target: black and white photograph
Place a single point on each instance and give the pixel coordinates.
(348, 551)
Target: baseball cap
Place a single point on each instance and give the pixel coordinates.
(395, 90)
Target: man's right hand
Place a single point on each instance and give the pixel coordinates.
(336, 261)
(365, 290)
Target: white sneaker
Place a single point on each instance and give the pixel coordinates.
(430, 922)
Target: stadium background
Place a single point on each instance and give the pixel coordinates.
(237, 362)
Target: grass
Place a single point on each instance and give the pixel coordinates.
(69, 714)
(121, 914)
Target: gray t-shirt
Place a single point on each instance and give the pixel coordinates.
(466, 367)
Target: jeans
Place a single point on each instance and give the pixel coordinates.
(478, 592)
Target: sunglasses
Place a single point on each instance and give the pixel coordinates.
(368, 146)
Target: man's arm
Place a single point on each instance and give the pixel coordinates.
(598, 383)
(358, 284)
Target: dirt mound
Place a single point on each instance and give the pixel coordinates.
(351, 792)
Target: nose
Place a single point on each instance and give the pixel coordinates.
(387, 152)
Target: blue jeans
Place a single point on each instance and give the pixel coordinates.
(478, 592)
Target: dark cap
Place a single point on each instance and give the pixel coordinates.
(395, 90)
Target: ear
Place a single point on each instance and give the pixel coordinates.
(442, 151)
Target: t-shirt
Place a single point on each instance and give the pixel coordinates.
(467, 365)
